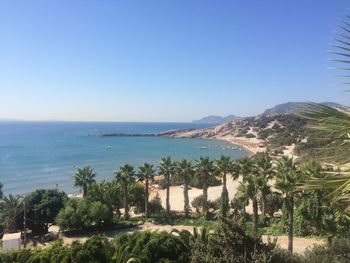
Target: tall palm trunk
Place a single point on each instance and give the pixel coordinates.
(205, 200)
(186, 200)
(290, 206)
(243, 210)
(12, 226)
(84, 190)
(255, 217)
(224, 186)
(167, 195)
(146, 198)
(126, 205)
(264, 202)
(224, 197)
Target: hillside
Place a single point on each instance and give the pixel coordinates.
(214, 119)
(277, 133)
(255, 133)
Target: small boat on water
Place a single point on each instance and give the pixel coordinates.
(109, 146)
(203, 147)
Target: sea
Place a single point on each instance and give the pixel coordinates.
(35, 155)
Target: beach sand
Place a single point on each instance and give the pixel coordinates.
(253, 145)
(177, 196)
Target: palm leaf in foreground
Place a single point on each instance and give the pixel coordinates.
(334, 121)
(336, 124)
(338, 182)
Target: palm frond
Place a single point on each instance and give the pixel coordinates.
(336, 122)
(338, 182)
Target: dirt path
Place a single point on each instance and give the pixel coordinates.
(299, 243)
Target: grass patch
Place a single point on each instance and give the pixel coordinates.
(176, 219)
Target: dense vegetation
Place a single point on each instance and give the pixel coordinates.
(287, 208)
(228, 243)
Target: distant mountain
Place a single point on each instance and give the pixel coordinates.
(213, 119)
(292, 107)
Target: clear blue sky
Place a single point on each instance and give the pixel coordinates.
(163, 60)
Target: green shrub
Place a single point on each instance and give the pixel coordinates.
(79, 214)
(230, 243)
(155, 205)
(338, 251)
(149, 247)
(137, 197)
(109, 193)
(263, 221)
(43, 207)
(197, 203)
(274, 203)
(283, 256)
(263, 134)
(95, 249)
(250, 135)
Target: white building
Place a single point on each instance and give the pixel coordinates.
(11, 241)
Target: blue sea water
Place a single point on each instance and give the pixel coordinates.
(45, 154)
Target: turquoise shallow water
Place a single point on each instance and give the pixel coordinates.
(44, 154)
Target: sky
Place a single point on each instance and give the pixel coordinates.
(164, 60)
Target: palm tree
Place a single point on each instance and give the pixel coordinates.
(265, 171)
(125, 176)
(122, 255)
(84, 178)
(243, 167)
(184, 170)
(188, 238)
(10, 209)
(146, 173)
(166, 169)
(204, 171)
(288, 178)
(241, 198)
(250, 187)
(224, 166)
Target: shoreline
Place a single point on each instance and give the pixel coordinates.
(240, 142)
(254, 149)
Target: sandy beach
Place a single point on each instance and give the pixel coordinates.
(177, 196)
(253, 145)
